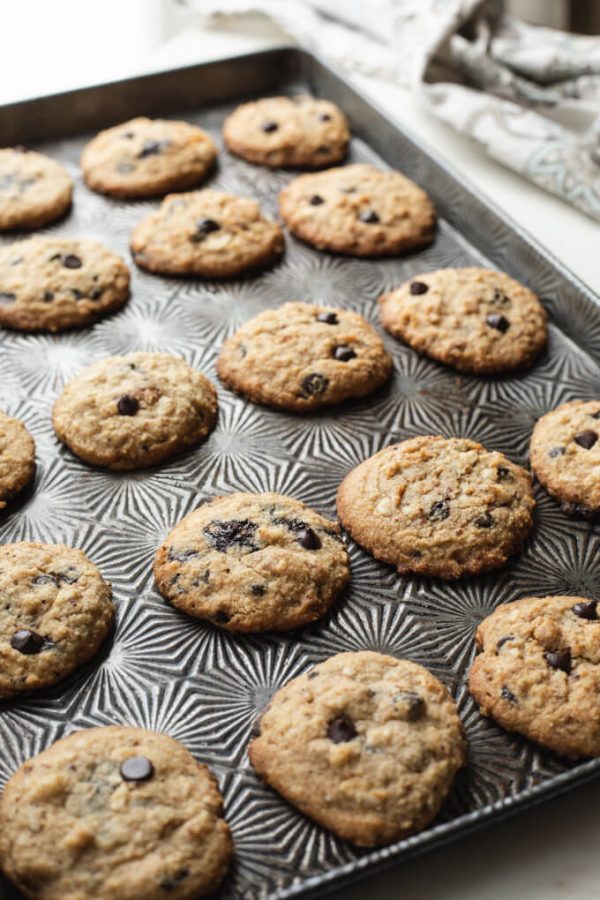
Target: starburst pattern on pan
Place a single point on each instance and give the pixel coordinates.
(22, 738)
(42, 364)
(35, 415)
(554, 564)
(217, 309)
(550, 519)
(128, 493)
(472, 423)
(154, 327)
(301, 481)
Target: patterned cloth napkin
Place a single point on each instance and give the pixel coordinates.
(529, 96)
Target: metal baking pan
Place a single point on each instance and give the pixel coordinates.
(169, 672)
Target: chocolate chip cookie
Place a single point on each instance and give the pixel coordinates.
(17, 458)
(436, 506)
(301, 357)
(147, 158)
(253, 562)
(538, 672)
(364, 744)
(114, 812)
(472, 319)
(565, 456)
(358, 210)
(56, 610)
(206, 233)
(34, 189)
(50, 284)
(128, 412)
(288, 131)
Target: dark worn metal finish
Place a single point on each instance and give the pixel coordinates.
(203, 686)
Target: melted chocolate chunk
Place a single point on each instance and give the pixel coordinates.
(587, 610)
(559, 659)
(127, 405)
(44, 579)
(152, 148)
(69, 577)
(232, 533)
(415, 705)
(418, 287)
(341, 729)
(222, 617)
(29, 642)
(314, 384)
(586, 439)
(508, 695)
(439, 511)
(96, 293)
(369, 217)
(258, 590)
(503, 641)
(7, 297)
(554, 452)
(485, 520)
(170, 882)
(77, 294)
(329, 318)
(181, 555)
(48, 296)
(269, 127)
(344, 354)
(498, 321)
(136, 768)
(70, 261)
(503, 473)
(499, 299)
(316, 200)
(309, 539)
(204, 227)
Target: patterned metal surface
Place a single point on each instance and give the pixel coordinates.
(166, 671)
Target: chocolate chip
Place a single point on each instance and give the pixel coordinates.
(268, 127)
(498, 321)
(503, 641)
(96, 293)
(48, 296)
(127, 405)
(70, 261)
(313, 674)
(559, 659)
(29, 642)
(439, 511)
(181, 555)
(204, 227)
(309, 539)
(44, 579)
(170, 882)
(556, 451)
(503, 473)
(329, 318)
(136, 768)
(152, 148)
(415, 705)
(258, 590)
(77, 294)
(508, 695)
(418, 287)
(314, 384)
(222, 617)
(315, 200)
(587, 610)
(586, 439)
(595, 415)
(7, 297)
(69, 577)
(324, 117)
(340, 730)
(232, 533)
(485, 520)
(344, 354)
(499, 299)
(127, 134)
(369, 217)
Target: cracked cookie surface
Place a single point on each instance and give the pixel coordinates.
(253, 562)
(365, 744)
(473, 319)
(301, 357)
(128, 412)
(34, 189)
(55, 611)
(437, 506)
(50, 284)
(147, 157)
(565, 456)
(206, 233)
(288, 131)
(538, 672)
(358, 210)
(114, 812)
(17, 458)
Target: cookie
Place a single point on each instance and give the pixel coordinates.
(114, 812)
(147, 158)
(301, 357)
(358, 210)
(364, 744)
(34, 189)
(288, 131)
(538, 672)
(17, 458)
(436, 506)
(128, 412)
(472, 319)
(253, 562)
(56, 610)
(50, 284)
(206, 233)
(565, 456)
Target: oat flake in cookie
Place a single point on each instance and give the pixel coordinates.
(288, 131)
(147, 157)
(538, 672)
(34, 189)
(253, 562)
(17, 458)
(364, 744)
(206, 233)
(50, 284)
(472, 319)
(437, 506)
(565, 456)
(301, 357)
(358, 210)
(56, 610)
(114, 813)
(128, 412)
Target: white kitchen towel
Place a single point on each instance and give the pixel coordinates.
(529, 96)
